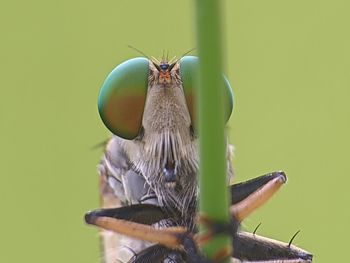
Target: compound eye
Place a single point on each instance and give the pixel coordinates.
(189, 76)
(122, 98)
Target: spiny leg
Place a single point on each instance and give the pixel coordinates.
(254, 193)
(252, 247)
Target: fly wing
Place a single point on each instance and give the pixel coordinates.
(120, 186)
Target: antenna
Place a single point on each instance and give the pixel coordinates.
(139, 51)
(189, 51)
(152, 59)
(184, 54)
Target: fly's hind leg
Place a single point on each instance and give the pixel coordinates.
(246, 197)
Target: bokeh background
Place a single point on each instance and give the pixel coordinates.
(288, 62)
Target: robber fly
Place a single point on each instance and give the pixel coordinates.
(148, 174)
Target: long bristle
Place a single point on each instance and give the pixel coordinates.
(154, 60)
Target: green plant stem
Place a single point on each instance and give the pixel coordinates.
(213, 182)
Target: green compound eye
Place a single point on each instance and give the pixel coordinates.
(189, 76)
(122, 97)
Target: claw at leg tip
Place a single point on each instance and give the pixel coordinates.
(90, 218)
(283, 177)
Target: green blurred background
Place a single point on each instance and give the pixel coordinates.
(288, 62)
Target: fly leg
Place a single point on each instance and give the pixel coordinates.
(248, 196)
(213, 228)
(156, 253)
(242, 190)
(135, 220)
(187, 250)
(253, 248)
(141, 213)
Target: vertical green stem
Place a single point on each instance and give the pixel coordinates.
(213, 183)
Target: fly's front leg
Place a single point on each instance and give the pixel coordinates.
(242, 190)
(248, 196)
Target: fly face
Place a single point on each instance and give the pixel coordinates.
(169, 160)
(150, 166)
(170, 157)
